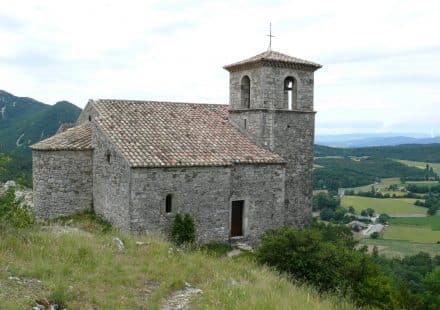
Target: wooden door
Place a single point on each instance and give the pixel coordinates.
(237, 218)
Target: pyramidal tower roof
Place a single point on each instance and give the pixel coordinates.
(273, 58)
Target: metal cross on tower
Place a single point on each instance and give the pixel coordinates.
(270, 37)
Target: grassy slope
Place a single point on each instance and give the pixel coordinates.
(86, 271)
(388, 206)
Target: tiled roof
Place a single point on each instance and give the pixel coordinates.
(272, 56)
(167, 134)
(75, 138)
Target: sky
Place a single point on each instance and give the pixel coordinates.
(381, 59)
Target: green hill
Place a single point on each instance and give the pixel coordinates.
(23, 122)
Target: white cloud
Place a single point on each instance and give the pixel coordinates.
(381, 59)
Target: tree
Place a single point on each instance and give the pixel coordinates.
(375, 235)
(383, 218)
(431, 210)
(351, 210)
(431, 294)
(325, 201)
(327, 214)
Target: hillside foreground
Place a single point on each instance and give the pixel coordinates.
(77, 263)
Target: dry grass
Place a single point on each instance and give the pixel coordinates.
(84, 269)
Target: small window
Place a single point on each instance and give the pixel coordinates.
(245, 123)
(169, 203)
(245, 92)
(90, 118)
(108, 156)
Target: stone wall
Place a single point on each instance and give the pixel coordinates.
(289, 134)
(111, 180)
(62, 182)
(267, 88)
(262, 189)
(206, 193)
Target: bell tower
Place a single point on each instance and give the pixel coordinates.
(271, 101)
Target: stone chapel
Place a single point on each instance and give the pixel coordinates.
(237, 169)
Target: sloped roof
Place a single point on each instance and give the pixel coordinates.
(167, 134)
(274, 58)
(75, 138)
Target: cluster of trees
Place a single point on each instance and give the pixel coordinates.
(345, 172)
(417, 278)
(16, 167)
(330, 208)
(432, 202)
(423, 189)
(325, 256)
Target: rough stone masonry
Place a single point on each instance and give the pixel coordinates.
(238, 169)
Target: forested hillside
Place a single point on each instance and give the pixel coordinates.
(23, 122)
(417, 152)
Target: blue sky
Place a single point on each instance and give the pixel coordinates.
(381, 58)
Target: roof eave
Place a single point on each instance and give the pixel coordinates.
(276, 63)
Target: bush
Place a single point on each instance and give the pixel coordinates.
(375, 235)
(328, 265)
(183, 230)
(12, 213)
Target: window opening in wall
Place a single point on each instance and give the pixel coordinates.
(168, 203)
(245, 123)
(290, 93)
(90, 118)
(245, 92)
(108, 156)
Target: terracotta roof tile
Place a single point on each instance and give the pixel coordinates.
(75, 138)
(273, 56)
(166, 134)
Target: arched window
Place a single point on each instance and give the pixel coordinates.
(290, 93)
(168, 203)
(245, 92)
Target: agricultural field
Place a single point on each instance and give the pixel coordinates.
(400, 248)
(432, 221)
(419, 234)
(421, 165)
(399, 206)
(382, 186)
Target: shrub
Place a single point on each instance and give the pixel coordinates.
(328, 265)
(375, 235)
(12, 213)
(183, 230)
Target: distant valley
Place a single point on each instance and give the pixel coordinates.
(366, 140)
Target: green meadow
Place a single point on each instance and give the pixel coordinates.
(398, 206)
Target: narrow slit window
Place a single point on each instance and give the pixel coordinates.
(168, 203)
(246, 92)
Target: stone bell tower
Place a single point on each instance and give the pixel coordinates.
(271, 100)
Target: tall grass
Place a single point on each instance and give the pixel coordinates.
(83, 269)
